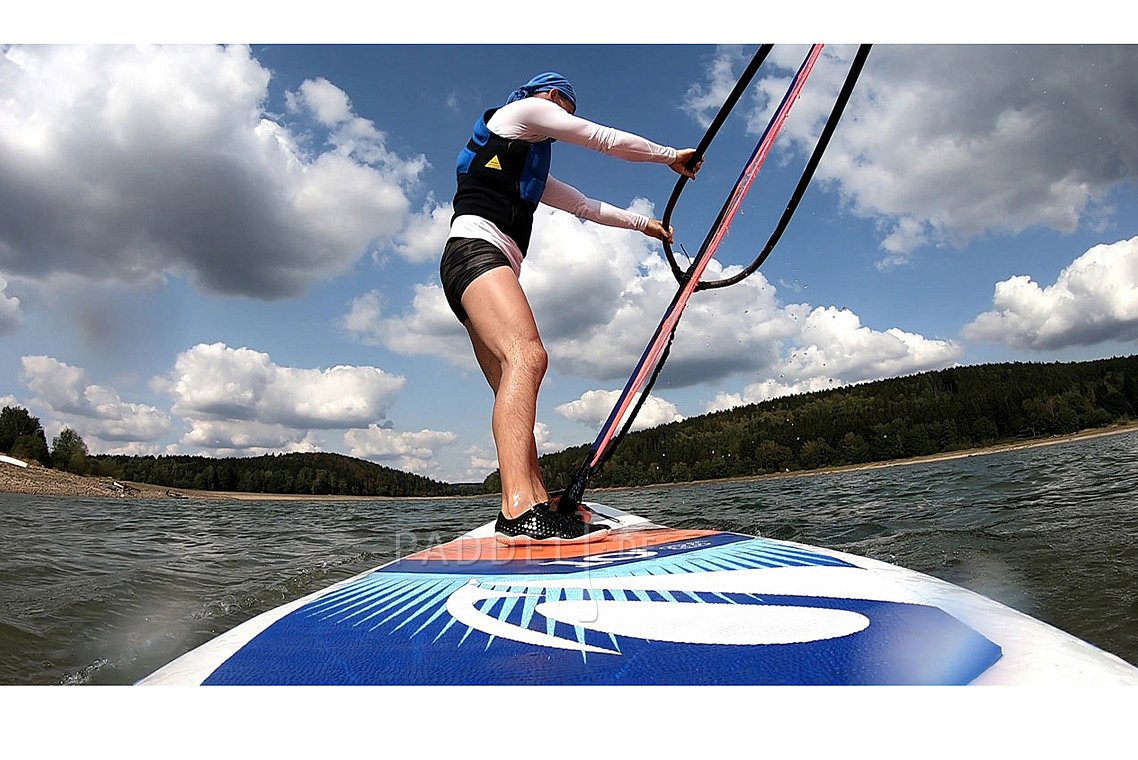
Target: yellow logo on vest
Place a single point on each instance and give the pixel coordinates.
(493, 163)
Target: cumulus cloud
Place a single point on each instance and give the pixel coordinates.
(428, 327)
(249, 438)
(597, 313)
(543, 437)
(216, 382)
(10, 315)
(239, 401)
(575, 276)
(1093, 300)
(594, 407)
(704, 99)
(835, 349)
(481, 462)
(412, 451)
(127, 163)
(95, 411)
(942, 144)
(423, 238)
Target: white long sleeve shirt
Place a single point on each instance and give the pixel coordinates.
(536, 119)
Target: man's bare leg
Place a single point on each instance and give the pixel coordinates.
(509, 350)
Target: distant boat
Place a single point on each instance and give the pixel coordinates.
(10, 460)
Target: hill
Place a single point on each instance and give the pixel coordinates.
(918, 415)
(299, 473)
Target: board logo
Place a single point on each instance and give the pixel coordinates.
(739, 621)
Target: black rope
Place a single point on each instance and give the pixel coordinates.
(807, 174)
(712, 130)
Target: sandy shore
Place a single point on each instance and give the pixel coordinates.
(43, 481)
(47, 482)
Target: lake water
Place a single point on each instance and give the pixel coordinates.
(97, 591)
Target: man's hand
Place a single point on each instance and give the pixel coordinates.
(656, 230)
(680, 165)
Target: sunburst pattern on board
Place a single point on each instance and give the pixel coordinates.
(416, 603)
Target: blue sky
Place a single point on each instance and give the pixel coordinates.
(233, 250)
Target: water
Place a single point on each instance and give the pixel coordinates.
(106, 591)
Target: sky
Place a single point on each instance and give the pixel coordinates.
(232, 249)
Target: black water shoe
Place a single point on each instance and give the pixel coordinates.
(541, 524)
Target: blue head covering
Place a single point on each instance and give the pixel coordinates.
(549, 80)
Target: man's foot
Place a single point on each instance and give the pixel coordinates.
(543, 525)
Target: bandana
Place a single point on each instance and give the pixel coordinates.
(550, 80)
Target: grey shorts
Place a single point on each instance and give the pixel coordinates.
(464, 259)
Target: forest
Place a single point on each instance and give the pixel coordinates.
(928, 413)
(298, 473)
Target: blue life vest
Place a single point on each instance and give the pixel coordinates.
(502, 180)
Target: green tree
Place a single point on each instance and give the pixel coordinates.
(854, 449)
(21, 435)
(32, 448)
(69, 452)
(816, 453)
(16, 422)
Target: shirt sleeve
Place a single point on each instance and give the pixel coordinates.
(534, 119)
(568, 198)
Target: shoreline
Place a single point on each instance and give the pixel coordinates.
(995, 448)
(42, 481)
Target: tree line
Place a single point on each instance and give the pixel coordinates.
(295, 473)
(22, 436)
(928, 413)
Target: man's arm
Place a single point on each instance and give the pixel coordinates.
(568, 198)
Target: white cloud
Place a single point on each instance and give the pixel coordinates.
(598, 293)
(480, 463)
(429, 327)
(244, 438)
(575, 276)
(352, 135)
(142, 449)
(544, 439)
(423, 238)
(942, 144)
(327, 102)
(127, 163)
(216, 382)
(834, 349)
(409, 451)
(1093, 300)
(594, 407)
(703, 100)
(10, 315)
(239, 402)
(834, 343)
(94, 411)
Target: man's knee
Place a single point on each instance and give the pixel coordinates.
(531, 357)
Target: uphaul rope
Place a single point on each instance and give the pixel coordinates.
(655, 354)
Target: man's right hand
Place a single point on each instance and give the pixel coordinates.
(680, 165)
(655, 229)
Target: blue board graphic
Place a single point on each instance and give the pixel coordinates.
(643, 615)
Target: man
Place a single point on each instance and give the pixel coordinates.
(503, 173)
